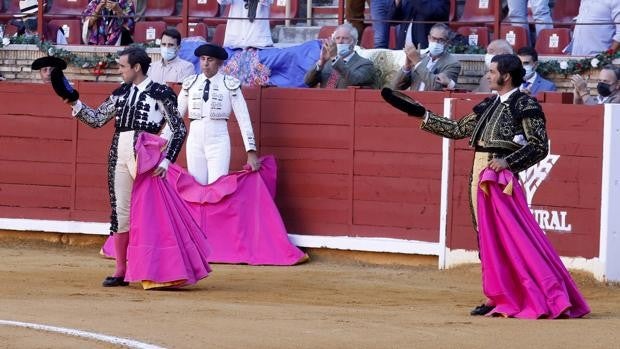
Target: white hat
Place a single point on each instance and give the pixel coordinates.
(27, 7)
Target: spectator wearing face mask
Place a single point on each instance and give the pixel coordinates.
(496, 47)
(433, 71)
(608, 87)
(171, 68)
(533, 83)
(339, 66)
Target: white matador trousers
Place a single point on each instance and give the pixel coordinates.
(208, 150)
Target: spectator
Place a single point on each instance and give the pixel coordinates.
(416, 34)
(533, 83)
(171, 68)
(27, 23)
(594, 39)
(339, 66)
(433, 71)
(608, 87)
(517, 12)
(252, 30)
(108, 22)
(496, 47)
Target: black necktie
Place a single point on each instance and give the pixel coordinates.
(135, 94)
(205, 93)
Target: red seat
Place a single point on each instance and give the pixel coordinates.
(478, 36)
(203, 8)
(552, 41)
(194, 29)
(326, 31)
(564, 12)
(148, 31)
(72, 29)
(159, 8)
(67, 8)
(368, 38)
(221, 18)
(10, 11)
(478, 11)
(218, 36)
(278, 11)
(515, 35)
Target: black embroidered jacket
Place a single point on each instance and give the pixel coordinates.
(155, 106)
(515, 128)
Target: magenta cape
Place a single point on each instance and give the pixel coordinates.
(522, 275)
(166, 244)
(238, 216)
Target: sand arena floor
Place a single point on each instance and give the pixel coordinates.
(327, 303)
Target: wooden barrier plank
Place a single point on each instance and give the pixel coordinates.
(294, 161)
(31, 149)
(92, 199)
(39, 196)
(36, 127)
(417, 234)
(392, 139)
(36, 173)
(91, 216)
(93, 151)
(314, 185)
(309, 112)
(396, 189)
(34, 212)
(396, 214)
(92, 175)
(306, 136)
(305, 210)
(392, 164)
(335, 95)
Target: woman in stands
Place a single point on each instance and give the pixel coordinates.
(108, 22)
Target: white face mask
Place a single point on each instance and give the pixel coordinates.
(435, 48)
(168, 53)
(529, 71)
(487, 60)
(344, 49)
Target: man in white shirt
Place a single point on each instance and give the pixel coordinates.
(171, 68)
(591, 39)
(252, 30)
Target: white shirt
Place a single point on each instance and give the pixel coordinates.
(241, 33)
(593, 39)
(175, 70)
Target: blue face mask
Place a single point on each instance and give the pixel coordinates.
(168, 53)
(435, 48)
(343, 49)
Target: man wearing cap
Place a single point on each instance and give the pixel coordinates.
(208, 99)
(138, 105)
(45, 65)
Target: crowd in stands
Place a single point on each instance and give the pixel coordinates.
(420, 32)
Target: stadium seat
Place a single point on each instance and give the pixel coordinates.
(278, 11)
(475, 35)
(67, 8)
(194, 29)
(159, 8)
(10, 11)
(368, 38)
(203, 8)
(478, 11)
(218, 36)
(552, 41)
(326, 31)
(72, 29)
(148, 31)
(564, 12)
(221, 18)
(515, 35)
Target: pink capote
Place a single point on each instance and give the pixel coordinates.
(238, 216)
(522, 275)
(166, 244)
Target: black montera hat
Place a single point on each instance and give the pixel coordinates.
(48, 61)
(62, 87)
(211, 50)
(403, 102)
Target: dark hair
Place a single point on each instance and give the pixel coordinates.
(173, 33)
(528, 51)
(137, 55)
(510, 64)
(613, 68)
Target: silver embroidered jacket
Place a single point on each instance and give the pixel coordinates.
(155, 106)
(514, 129)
